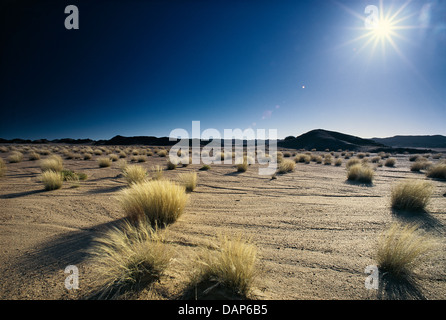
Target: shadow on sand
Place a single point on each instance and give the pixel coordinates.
(423, 218)
(399, 288)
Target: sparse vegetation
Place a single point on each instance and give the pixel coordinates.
(420, 165)
(352, 162)
(160, 201)
(205, 167)
(162, 153)
(170, 165)
(286, 166)
(189, 180)
(53, 162)
(401, 248)
(437, 171)
(360, 173)
(33, 156)
(52, 180)
(233, 264)
(338, 162)
(157, 172)
(104, 162)
(128, 258)
(411, 195)
(2, 167)
(134, 174)
(390, 162)
(15, 157)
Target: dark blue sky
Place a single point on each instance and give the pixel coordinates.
(148, 67)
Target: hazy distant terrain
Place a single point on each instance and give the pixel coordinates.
(435, 141)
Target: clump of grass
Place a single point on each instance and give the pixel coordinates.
(205, 167)
(162, 153)
(411, 195)
(122, 154)
(189, 180)
(414, 157)
(15, 157)
(160, 201)
(128, 258)
(437, 171)
(360, 173)
(401, 248)
(338, 162)
(170, 165)
(328, 159)
(352, 162)
(233, 264)
(97, 152)
(302, 158)
(51, 180)
(420, 165)
(113, 157)
(390, 162)
(2, 167)
(242, 167)
(53, 162)
(87, 156)
(134, 174)
(375, 159)
(141, 158)
(286, 166)
(104, 162)
(68, 175)
(157, 172)
(318, 159)
(33, 156)
(436, 156)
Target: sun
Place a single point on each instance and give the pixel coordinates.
(383, 29)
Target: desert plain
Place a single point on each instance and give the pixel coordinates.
(315, 231)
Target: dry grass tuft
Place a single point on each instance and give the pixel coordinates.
(160, 201)
(33, 156)
(360, 173)
(352, 162)
(104, 162)
(52, 180)
(411, 195)
(53, 162)
(134, 174)
(2, 167)
(15, 157)
(401, 248)
(128, 258)
(189, 180)
(286, 166)
(437, 171)
(390, 162)
(232, 264)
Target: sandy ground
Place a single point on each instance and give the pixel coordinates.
(316, 233)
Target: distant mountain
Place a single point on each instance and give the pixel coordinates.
(322, 139)
(435, 141)
(138, 140)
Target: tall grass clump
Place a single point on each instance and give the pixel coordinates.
(401, 248)
(104, 162)
(360, 173)
(233, 264)
(33, 156)
(160, 201)
(286, 166)
(15, 157)
(352, 162)
(53, 162)
(420, 165)
(134, 174)
(162, 153)
(437, 171)
(128, 258)
(2, 167)
(51, 180)
(390, 162)
(411, 195)
(189, 180)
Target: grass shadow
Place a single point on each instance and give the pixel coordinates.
(404, 287)
(63, 250)
(106, 190)
(423, 218)
(209, 290)
(21, 194)
(359, 183)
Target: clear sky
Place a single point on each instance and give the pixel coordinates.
(148, 67)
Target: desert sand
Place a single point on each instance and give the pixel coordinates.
(315, 232)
